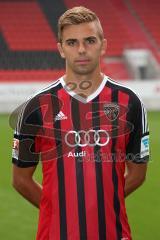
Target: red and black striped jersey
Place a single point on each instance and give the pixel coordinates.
(83, 144)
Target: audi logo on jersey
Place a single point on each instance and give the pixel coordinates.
(87, 138)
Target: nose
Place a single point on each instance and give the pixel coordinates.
(81, 48)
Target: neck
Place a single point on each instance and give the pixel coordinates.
(85, 84)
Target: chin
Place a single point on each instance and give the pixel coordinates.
(84, 71)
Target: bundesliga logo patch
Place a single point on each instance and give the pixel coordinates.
(15, 149)
(144, 146)
(111, 110)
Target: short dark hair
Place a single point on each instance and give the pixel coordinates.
(78, 15)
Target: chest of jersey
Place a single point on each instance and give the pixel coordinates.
(85, 130)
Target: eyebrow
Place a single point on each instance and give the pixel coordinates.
(71, 39)
(90, 37)
(74, 39)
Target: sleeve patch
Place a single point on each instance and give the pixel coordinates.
(15, 148)
(144, 146)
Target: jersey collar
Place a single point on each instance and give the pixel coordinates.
(90, 97)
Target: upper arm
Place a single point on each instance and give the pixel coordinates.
(138, 141)
(21, 175)
(26, 142)
(138, 171)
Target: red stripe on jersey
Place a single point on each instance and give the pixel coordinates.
(49, 212)
(69, 171)
(47, 137)
(90, 187)
(123, 100)
(105, 98)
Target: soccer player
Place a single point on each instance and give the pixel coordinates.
(87, 130)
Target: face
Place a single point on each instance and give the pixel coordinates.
(82, 48)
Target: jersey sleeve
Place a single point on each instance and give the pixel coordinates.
(138, 140)
(26, 142)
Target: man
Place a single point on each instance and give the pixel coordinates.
(87, 130)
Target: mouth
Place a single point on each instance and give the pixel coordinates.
(82, 61)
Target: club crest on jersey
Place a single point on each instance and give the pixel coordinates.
(111, 110)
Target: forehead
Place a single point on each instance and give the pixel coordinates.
(80, 31)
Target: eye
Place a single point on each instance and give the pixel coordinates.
(71, 42)
(91, 40)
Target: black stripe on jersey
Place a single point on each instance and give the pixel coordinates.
(116, 201)
(99, 177)
(60, 170)
(79, 174)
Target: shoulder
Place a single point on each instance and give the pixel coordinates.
(134, 98)
(31, 107)
(48, 89)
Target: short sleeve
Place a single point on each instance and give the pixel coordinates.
(138, 141)
(26, 141)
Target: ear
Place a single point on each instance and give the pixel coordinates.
(104, 47)
(60, 49)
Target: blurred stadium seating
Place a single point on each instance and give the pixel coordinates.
(148, 13)
(28, 36)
